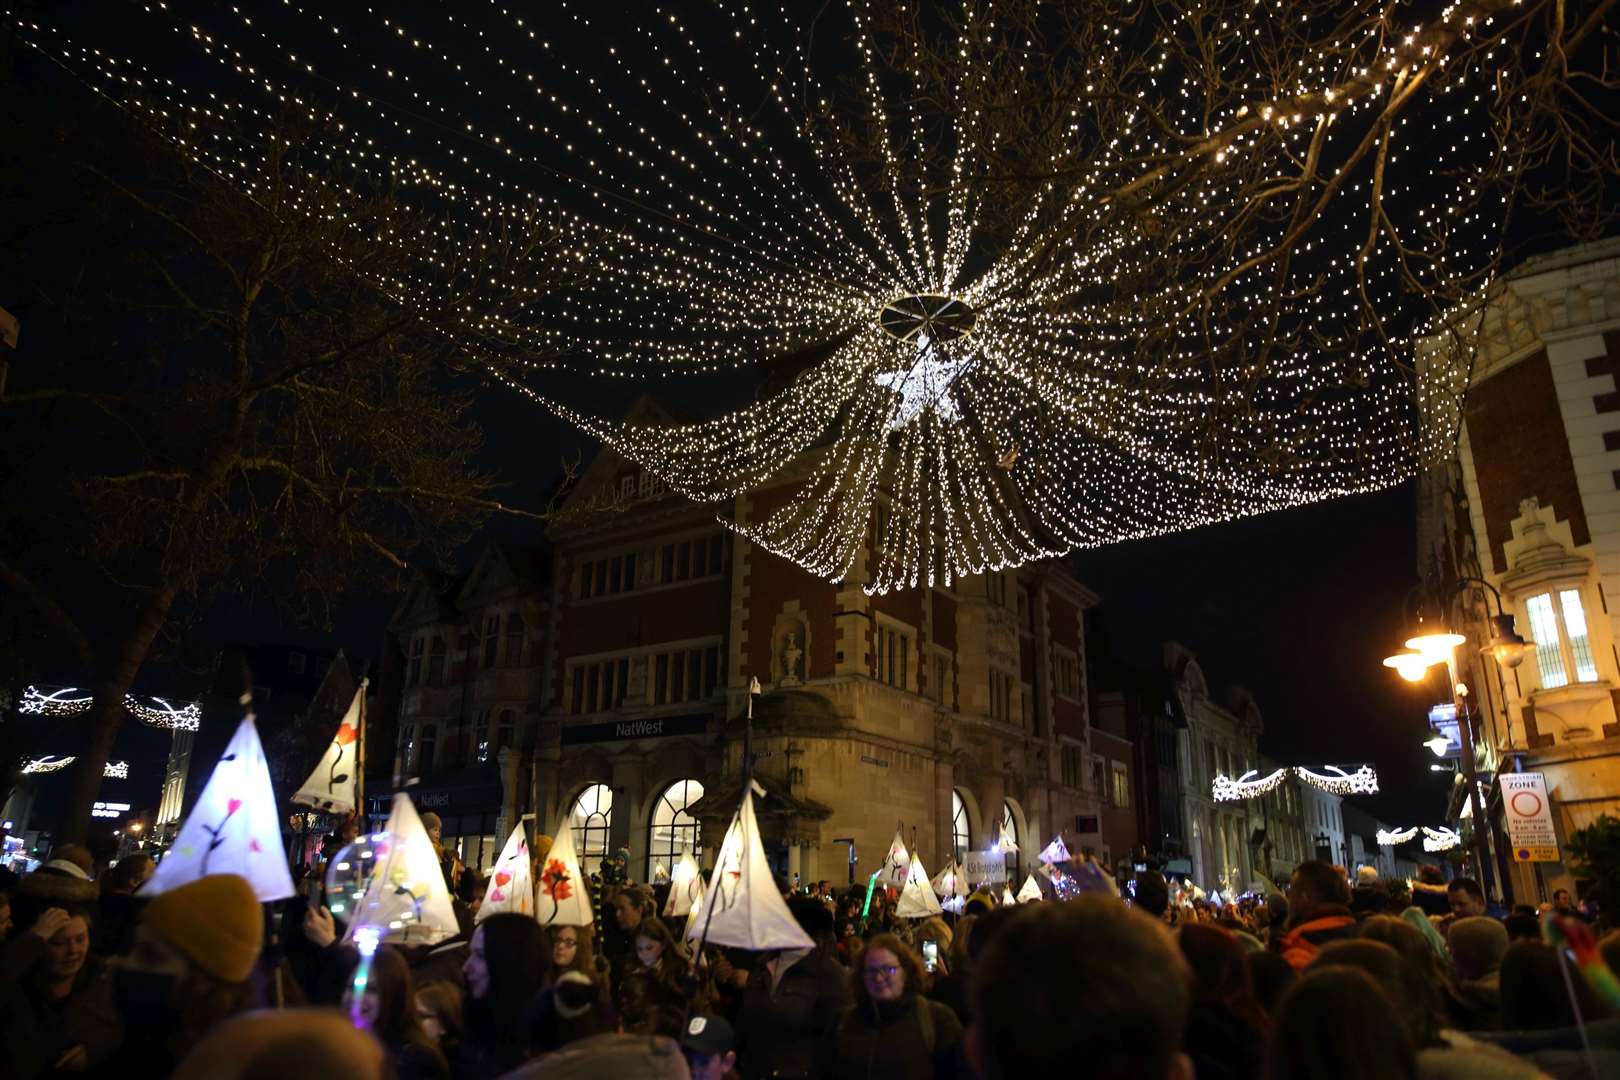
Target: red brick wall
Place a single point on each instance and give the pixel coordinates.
(772, 582)
(1063, 622)
(1520, 449)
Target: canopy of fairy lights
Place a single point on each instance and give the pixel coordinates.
(152, 711)
(1334, 781)
(1017, 292)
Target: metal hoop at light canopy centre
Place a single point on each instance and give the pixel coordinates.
(938, 318)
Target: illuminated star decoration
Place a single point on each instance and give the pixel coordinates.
(1120, 386)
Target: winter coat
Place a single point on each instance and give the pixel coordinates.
(37, 1029)
(1221, 1044)
(621, 1057)
(413, 1061)
(1331, 922)
(910, 1039)
(1476, 1005)
(779, 1028)
(1430, 898)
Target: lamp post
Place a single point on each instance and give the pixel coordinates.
(1435, 644)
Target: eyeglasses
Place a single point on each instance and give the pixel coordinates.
(888, 970)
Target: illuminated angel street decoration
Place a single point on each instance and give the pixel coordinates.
(154, 712)
(113, 770)
(1441, 839)
(1364, 781)
(1026, 277)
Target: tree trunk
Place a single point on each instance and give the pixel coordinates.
(107, 715)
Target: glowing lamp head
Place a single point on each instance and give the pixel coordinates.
(1410, 664)
(1436, 644)
(1438, 745)
(1508, 647)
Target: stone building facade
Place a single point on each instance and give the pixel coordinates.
(1531, 504)
(463, 691)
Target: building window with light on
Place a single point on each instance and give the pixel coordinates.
(1563, 646)
(1122, 785)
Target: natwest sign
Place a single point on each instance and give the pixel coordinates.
(652, 727)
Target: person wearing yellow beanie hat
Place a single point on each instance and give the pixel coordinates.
(214, 921)
(195, 948)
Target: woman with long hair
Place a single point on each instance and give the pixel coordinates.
(388, 1008)
(439, 1010)
(893, 1030)
(507, 963)
(658, 953)
(1226, 1026)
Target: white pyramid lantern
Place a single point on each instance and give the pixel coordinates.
(1029, 891)
(333, 786)
(948, 882)
(660, 874)
(1055, 852)
(685, 887)
(406, 898)
(895, 863)
(741, 906)
(564, 895)
(511, 882)
(1005, 843)
(233, 829)
(1007, 896)
(917, 900)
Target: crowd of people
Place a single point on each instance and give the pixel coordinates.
(1331, 978)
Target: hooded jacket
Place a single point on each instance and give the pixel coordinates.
(1329, 922)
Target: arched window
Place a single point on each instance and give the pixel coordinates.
(591, 817)
(430, 743)
(1009, 825)
(960, 840)
(407, 747)
(672, 829)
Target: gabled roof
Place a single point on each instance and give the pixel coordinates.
(430, 598)
(502, 569)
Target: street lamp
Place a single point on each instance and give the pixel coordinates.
(1435, 643)
(1438, 745)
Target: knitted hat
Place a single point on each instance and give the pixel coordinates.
(55, 885)
(215, 921)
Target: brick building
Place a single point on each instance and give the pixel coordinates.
(1531, 504)
(605, 685)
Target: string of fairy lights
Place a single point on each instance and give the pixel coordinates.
(1334, 781)
(1069, 375)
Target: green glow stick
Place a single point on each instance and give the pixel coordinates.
(866, 907)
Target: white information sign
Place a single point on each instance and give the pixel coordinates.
(979, 867)
(1529, 817)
